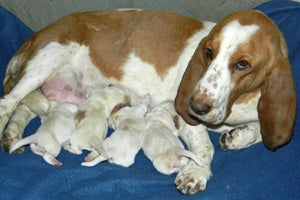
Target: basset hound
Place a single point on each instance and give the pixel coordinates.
(233, 76)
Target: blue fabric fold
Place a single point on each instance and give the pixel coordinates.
(252, 173)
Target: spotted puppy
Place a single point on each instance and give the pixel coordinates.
(92, 119)
(54, 132)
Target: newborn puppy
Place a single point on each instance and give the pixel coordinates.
(55, 130)
(92, 120)
(162, 145)
(127, 139)
(125, 142)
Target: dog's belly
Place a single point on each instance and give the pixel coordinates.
(64, 88)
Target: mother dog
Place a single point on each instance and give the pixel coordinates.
(233, 76)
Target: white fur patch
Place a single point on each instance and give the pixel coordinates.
(247, 110)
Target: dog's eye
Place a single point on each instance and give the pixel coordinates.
(241, 65)
(208, 53)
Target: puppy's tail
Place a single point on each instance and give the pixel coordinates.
(28, 140)
(189, 154)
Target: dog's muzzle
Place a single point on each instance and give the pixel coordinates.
(200, 108)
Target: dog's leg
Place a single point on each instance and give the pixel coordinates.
(93, 159)
(32, 105)
(241, 137)
(10, 101)
(192, 177)
(48, 157)
(16, 125)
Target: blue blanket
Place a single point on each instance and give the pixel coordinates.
(252, 173)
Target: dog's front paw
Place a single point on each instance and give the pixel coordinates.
(8, 141)
(192, 178)
(240, 137)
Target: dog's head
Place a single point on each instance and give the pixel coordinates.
(242, 54)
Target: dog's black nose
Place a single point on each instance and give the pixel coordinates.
(199, 108)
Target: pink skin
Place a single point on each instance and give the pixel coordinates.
(64, 88)
(88, 159)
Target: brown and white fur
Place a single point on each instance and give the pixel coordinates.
(215, 72)
(55, 130)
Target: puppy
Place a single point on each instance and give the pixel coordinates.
(127, 139)
(162, 145)
(55, 130)
(92, 119)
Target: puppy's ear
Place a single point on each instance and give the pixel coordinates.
(188, 82)
(277, 105)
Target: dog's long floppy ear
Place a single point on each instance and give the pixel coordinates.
(277, 105)
(188, 82)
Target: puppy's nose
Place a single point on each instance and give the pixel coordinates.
(200, 108)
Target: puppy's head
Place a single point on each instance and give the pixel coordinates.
(242, 54)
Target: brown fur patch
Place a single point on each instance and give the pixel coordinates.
(119, 107)
(80, 116)
(176, 121)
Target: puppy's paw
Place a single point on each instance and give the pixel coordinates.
(93, 159)
(239, 138)
(192, 178)
(72, 149)
(91, 156)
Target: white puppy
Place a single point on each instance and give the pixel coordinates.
(127, 139)
(92, 120)
(129, 132)
(162, 145)
(55, 130)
